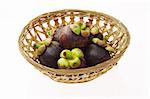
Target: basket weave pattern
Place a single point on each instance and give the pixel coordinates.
(35, 31)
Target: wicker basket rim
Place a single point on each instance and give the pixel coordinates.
(72, 70)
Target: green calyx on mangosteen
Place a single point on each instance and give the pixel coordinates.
(66, 54)
(99, 42)
(63, 63)
(85, 32)
(75, 62)
(103, 43)
(77, 52)
(75, 28)
(80, 28)
(45, 42)
(40, 50)
(110, 49)
(82, 25)
(73, 57)
(99, 35)
(40, 47)
(94, 30)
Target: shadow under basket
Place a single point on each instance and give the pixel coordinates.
(35, 31)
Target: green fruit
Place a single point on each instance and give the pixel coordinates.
(45, 42)
(41, 49)
(63, 63)
(95, 30)
(66, 54)
(74, 63)
(77, 52)
(38, 44)
(99, 42)
(86, 32)
(106, 37)
(75, 28)
(109, 48)
(81, 24)
(95, 40)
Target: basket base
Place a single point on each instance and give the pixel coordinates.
(78, 78)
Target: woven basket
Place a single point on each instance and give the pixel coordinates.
(36, 29)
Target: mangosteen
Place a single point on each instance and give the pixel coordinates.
(95, 54)
(69, 39)
(51, 55)
(83, 63)
(57, 34)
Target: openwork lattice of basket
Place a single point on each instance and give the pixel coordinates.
(35, 31)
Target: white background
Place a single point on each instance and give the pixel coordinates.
(129, 79)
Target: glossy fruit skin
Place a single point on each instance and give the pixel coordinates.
(57, 34)
(95, 54)
(68, 39)
(51, 55)
(83, 63)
